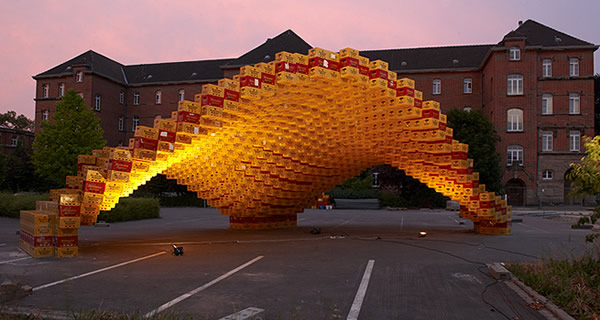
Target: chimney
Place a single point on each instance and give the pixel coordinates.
(520, 22)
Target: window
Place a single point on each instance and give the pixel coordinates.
(574, 67)
(547, 140)
(158, 97)
(547, 68)
(136, 121)
(122, 97)
(79, 76)
(574, 103)
(181, 95)
(45, 89)
(547, 175)
(98, 102)
(547, 104)
(121, 123)
(14, 140)
(515, 54)
(515, 85)
(468, 84)
(574, 140)
(44, 115)
(61, 89)
(514, 120)
(136, 98)
(437, 86)
(515, 155)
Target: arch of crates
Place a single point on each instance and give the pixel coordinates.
(264, 145)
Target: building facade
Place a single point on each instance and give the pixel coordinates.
(10, 138)
(535, 85)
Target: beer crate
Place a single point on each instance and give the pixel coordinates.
(146, 132)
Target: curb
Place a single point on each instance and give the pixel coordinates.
(543, 301)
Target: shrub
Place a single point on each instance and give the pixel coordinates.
(388, 199)
(132, 209)
(340, 193)
(12, 204)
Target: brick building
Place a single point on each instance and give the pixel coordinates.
(536, 85)
(10, 139)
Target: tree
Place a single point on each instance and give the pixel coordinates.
(76, 130)
(20, 122)
(474, 129)
(585, 178)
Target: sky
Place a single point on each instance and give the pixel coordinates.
(36, 35)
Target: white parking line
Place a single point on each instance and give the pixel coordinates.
(14, 260)
(2, 244)
(360, 294)
(96, 271)
(205, 286)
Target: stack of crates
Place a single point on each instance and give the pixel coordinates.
(52, 229)
(264, 145)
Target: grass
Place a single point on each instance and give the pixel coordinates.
(573, 285)
(11, 204)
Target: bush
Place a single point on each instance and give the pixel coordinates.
(132, 209)
(339, 193)
(12, 204)
(388, 199)
(181, 201)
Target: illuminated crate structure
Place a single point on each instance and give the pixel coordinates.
(266, 144)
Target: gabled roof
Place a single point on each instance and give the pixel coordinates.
(432, 58)
(94, 62)
(286, 41)
(186, 71)
(537, 34)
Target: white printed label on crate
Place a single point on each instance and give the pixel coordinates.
(164, 134)
(332, 56)
(196, 130)
(325, 64)
(287, 66)
(256, 82)
(171, 146)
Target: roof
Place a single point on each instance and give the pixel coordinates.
(432, 58)
(537, 34)
(286, 41)
(94, 62)
(187, 71)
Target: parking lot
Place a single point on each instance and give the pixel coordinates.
(368, 264)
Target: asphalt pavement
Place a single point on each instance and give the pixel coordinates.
(337, 264)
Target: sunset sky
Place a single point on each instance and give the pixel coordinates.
(38, 35)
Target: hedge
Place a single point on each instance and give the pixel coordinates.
(132, 209)
(12, 204)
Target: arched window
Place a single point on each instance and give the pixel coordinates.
(514, 85)
(514, 119)
(515, 155)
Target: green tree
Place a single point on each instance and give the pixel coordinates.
(20, 122)
(474, 129)
(75, 130)
(585, 178)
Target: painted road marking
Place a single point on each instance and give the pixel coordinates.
(204, 287)
(2, 244)
(96, 271)
(532, 227)
(14, 260)
(360, 294)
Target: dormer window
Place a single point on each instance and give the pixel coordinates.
(515, 54)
